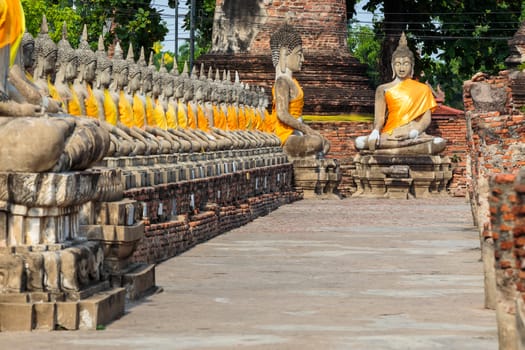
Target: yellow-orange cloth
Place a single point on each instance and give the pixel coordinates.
(182, 119)
(150, 112)
(257, 121)
(269, 122)
(53, 91)
(73, 105)
(216, 116)
(160, 116)
(12, 26)
(295, 109)
(405, 102)
(191, 118)
(241, 116)
(231, 118)
(250, 116)
(202, 121)
(110, 108)
(125, 110)
(139, 112)
(171, 119)
(91, 103)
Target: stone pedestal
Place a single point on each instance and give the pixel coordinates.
(318, 178)
(401, 176)
(49, 273)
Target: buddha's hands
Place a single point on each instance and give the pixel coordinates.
(373, 139)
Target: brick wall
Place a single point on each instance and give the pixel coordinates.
(184, 213)
(496, 159)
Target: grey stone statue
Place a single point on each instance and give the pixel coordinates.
(298, 139)
(403, 110)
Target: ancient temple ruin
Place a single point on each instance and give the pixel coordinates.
(335, 82)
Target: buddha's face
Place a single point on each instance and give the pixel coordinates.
(50, 62)
(71, 69)
(105, 76)
(122, 77)
(167, 89)
(135, 82)
(147, 82)
(295, 59)
(90, 71)
(402, 67)
(29, 56)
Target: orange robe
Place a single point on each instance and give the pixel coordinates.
(182, 119)
(150, 112)
(12, 26)
(139, 112)
(231, 118)
(73, 105)
(125, 110)
(295, 108)
(171, 119)
(191, 118)
(110, 108)
(91, 103)
(160, 116)
(202, 121)
(405, 102)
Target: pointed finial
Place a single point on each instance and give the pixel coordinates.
(202, 74)
(44, 28)
(142, 57)
(101, 47)
(118, 54)
(84, 35)
(217, 75)
(194, 74)
(237, 80)
(403, 40)
(224, 75)
(64, 30)
(210, 74)
(131, 55)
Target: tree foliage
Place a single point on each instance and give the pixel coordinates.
(135, 21)
(453, 39)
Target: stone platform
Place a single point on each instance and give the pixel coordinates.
(401, 176)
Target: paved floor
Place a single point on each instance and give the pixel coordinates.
(349, 274)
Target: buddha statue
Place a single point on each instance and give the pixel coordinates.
(45, 64)
(83, 83)
(402, 112)
(32, 142)
(297, 138)
(22, 88)
(66, 72)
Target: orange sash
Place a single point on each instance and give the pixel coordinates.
(295, 108)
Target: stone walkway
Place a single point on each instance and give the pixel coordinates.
(349, 274)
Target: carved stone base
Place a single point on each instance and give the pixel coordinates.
(401, 176)
(99, 309)
(318, 178)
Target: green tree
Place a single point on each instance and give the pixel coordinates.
(133, 21)
(56, 15)
(454, 39)
(364, 46)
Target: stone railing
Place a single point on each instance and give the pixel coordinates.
(74, 246)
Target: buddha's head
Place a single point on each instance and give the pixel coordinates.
(28, 51)
(104, 68)
(87, 58)
(287, 49)
(402, 60)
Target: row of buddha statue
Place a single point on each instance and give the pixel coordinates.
(144, 109)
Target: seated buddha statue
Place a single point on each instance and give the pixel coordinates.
(83, 83)
(32, 142)
(297, 138)
(402, 112)
(66, 72)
